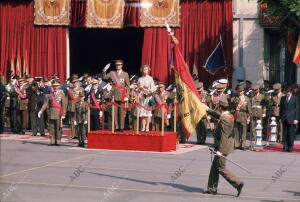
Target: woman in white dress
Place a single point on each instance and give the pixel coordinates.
(146, 87)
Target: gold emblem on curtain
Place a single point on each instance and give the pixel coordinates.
(159, 12)
(105, 13)
(52, 12)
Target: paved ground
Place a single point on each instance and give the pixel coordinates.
(32, 171)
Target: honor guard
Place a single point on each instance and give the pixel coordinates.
(258, 107)
(81, 117)
(57, 111)
(276, 97)
(242, 110)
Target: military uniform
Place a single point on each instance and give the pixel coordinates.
(242, 107)
(57, 110)
(258, 108)
(223, 144)
(2, 105)
(81, 117)
(201, 129)
(95, 97)
(276, 97)
(161, 98)
(120, 92)
(22, 106)
(73, 93)
(36, 100)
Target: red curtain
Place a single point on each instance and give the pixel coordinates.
(45, 45)
(78, 13)
(202, 22)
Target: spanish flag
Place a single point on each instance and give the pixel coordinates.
(296, 59)
(190, 106)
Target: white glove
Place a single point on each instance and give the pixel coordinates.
(264, 115)
(106, 67)
(63, 117)
(85, 122)
(75, 123)
(168, 116)
(126, 99)
(218, 153)
(174, 90)
(295, 122)
(39, 114)
(100, 113)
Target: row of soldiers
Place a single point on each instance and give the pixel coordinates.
(248, 104)
(37, 103)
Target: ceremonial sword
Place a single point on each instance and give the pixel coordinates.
(217, 153)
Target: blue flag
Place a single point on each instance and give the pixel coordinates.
(216, 60)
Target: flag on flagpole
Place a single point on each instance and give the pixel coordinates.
(296, 59)
(216, 60)
(18, 66)
(190, 106)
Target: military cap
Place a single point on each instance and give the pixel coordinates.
(75, 76)
(85, 75)
(247, 81)
(223, 102)
(27, 76)
(255, 86)
(74, 80)
(161, 84)
(223, 81)
(94, 82)
(240, 88)
(38, 78)
(56, 84)
(119, 62)
(46, 79)
(276, 86)
(199, 85)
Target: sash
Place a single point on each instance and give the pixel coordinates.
(95, 100)
(242, 100)
(72, 97)
(159, 101)
(119, 85)
(19, 93)
(55, 104)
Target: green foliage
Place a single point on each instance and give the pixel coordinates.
(281, 8)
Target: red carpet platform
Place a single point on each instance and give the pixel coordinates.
(129, 140)
(279, 147)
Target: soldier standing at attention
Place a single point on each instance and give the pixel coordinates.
(120, 92)
(241, 115)
(222, 144)
(73, 92)
(276, 97)
(22, 106)
(258, 108)
(81, 117)
(57, 110)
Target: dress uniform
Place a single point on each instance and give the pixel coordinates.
(3, 95)
(22, 106)
(81, 117)
(160, 98)
(95, 97)
(223, 144)
(120, 92)
(201, 126)
(242, 108)
(73, 93)
(276, 97)
(57, 111)
(36, 99)
(258, 108)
